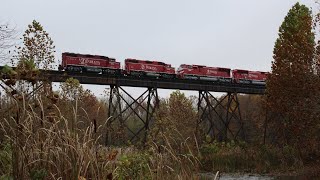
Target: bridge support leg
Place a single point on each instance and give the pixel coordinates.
(220, 118)
(132, 116)
(114, 110)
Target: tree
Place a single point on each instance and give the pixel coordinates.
(74, 99)
(38, 47)
(176, 121)
(291, 85)
(71, 89)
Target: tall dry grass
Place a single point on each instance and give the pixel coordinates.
(45, 145)
(174, 159)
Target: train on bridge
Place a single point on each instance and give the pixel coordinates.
(86, 63)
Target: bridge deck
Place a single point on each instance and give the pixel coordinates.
(131, 81)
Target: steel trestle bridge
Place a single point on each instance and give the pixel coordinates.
(150, 82)
(219, 118)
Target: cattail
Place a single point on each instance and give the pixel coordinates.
(95, 125)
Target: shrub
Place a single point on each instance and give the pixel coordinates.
(6, 159)
(133, 166)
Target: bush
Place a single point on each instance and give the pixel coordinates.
(267, 158)
(225, 156)
(8, 70)
(133, 166)
(38, 174)
(5, 159)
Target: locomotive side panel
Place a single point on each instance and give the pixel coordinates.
(149, 68)
(256, 75)
(215, 72)
(83, 61)
(238, 74)
(204, 73)
(113, 64)
(169, 70)
(187, 71)
(245, 76)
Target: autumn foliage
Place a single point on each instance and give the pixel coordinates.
(175, 121)
(292, 86)
(38, 47)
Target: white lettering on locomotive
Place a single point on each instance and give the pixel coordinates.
(89, 61)
(151, 68)
(146, 67)
(209, 71)
(253, 76)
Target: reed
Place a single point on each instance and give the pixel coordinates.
(41, 143)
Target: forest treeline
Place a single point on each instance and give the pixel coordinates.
(51, 134)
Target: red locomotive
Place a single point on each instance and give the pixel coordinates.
(101, 64)
(204, 73)
(89, 63)
(245, 76)
(149, 68)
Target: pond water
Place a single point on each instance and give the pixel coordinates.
(205, 176)
(236, 176)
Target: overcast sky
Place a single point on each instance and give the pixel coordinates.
(225, 33)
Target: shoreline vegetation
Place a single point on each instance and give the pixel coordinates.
(50, 148)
